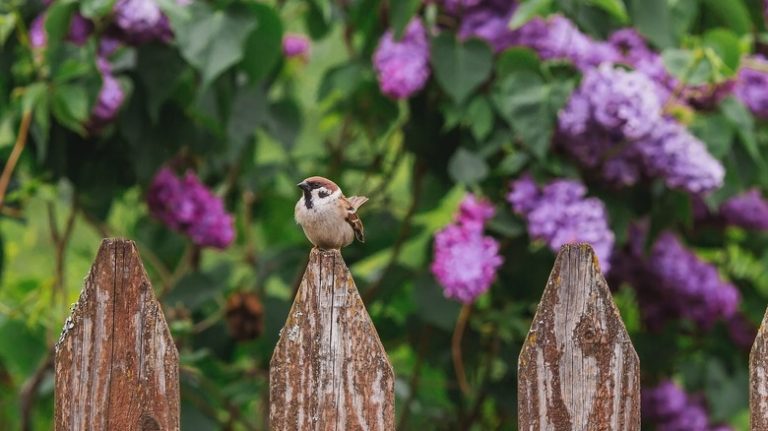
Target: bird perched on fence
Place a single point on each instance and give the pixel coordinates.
(329, 219)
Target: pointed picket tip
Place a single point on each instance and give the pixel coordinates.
(329, 370)
(116, 363)
(758, 379)
(578, 368)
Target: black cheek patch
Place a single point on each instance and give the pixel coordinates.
(322, 194)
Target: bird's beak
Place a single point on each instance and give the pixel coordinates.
(303, 185)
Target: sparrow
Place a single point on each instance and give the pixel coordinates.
(328, 218)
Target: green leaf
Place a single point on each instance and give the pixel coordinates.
(317, 19)
(96, 8)
(213, 40)
(528, 10)
(615, 8)
(342, 80)
(688, 66)
(160, 68)
(7, 24)
(400, 13)
(515, 59)
(652, 19)
(248, 111)
(716, 131)
(727, 46)
(732, 14)
(70, 106)
(263, 48)
(479, 117)
(460, 67)
(57, 20)
(530, 107)
(284, 121)
(744, 124)
(466, 167)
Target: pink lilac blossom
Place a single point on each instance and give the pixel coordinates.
(560, 213)
(465, 261)
(38, 38)
(669, 408)
(402, 66)
(187, 206)
(752, 86)
(295, 45)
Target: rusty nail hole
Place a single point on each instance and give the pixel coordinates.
(148, 423)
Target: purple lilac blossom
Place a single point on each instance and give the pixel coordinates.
(748, 210)
(614, 122)
(560, 213)
(402, 66)
(295, 45)
(672, 282)
(465, 261)
(38, 38)
(674, 154)
(187, 206)
(741, 331)
(669, 408)
(141, 21)
(80, 28)
(487, 20)
(110, 99)
(557, 38)
(752, 86)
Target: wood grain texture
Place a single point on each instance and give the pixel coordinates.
(578, 369)
(758, 379)
(329, 370)
(117, 367)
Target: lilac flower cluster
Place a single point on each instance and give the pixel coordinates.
(187, 206)
(465, 260)
(748, 210)
(614, 122)
(141, 21)
(669, 408)
(557, 38)
(402, 66)
(672, 282)
(485, 19)
(295, 45)
(559, 213)
(752, 86)
(110, 99)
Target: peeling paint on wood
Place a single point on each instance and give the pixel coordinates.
(578, 369)
(117, 367)
(758, 379)
(329, 370)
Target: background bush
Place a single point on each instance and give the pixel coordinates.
(635, 125)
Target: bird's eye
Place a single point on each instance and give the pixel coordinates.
(322, 194)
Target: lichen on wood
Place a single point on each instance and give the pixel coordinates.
(329, 370)
(578, 369)
(758, 379)
(116, 363)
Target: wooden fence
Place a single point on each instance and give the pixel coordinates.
(117, 366)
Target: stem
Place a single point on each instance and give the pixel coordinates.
(29, 391)
(18, 147)
(413, 384)
(458, 334)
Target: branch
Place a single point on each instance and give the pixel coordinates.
(458, 361)
(18, 147)
(29, 391)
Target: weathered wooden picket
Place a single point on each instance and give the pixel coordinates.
(117, 366)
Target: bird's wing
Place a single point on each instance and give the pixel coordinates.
(352, 203)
